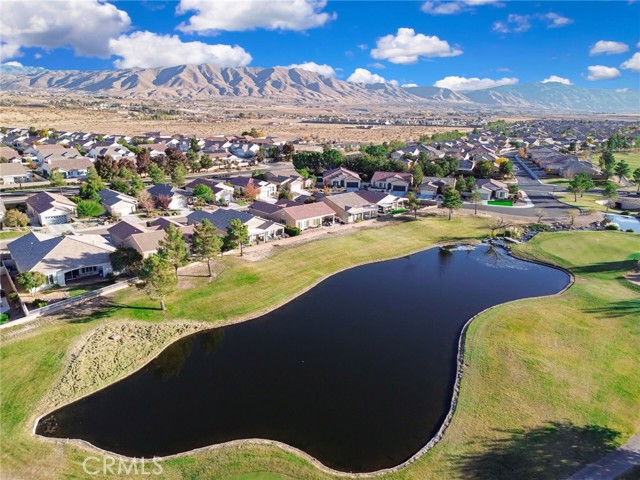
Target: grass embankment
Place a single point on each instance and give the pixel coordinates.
(569, 359)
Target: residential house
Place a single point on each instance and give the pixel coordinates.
(260, 230)
(342, 178)
(117, 204)
(267, 190)
(385, 201)
(62, 259)
(47, 208)
(351, 207)
(178, 198)
(308, 215)
(222, 192)
(431, 187)
(11, 173)
(71, 167)
(9, 154)
(396, 182)
(491, 189)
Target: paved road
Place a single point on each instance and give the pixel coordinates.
(613, 465)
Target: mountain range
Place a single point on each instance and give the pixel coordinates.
(297, 85)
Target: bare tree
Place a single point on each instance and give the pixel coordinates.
(495, 223)
(539, 214)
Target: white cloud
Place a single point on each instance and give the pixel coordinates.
(363, 46)
(600, 72)
(241, 15)
(377, 65)
(9, 50)
(467, 84)
(147, 49)
(13, 64)
(633, 63)
(622, 90)
(608, 47)
(522, 23)
(85, 25)
(439, 7)
(409, 85)
(406, 47)
(326, 70)
(557, 79)
(362, 75)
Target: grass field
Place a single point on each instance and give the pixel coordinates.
(585, 202)
(10, 234)
(632, 158)
(548, 384)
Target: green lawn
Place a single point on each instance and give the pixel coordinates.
(7, 234)
(570, 360)
(502, 203)
(632, 158)
(585, 202)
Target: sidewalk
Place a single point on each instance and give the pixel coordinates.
(613, 465)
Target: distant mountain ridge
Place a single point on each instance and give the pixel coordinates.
(297, 85)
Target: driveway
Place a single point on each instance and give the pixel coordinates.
(613, 465)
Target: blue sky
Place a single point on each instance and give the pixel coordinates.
(464, 45)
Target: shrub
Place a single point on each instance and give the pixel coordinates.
(612, 226)
(539, 227)
(39, 303)
(89, 208)
(4, 317)
(630, 230)
(292, 231)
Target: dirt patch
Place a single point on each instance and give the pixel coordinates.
(111, 352)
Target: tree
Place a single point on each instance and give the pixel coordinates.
(579, 184)
(92, 185)
(126, 259)
(145, 202)
(485, 168)
(636, 177)
(607, 159)
(609, 192)
(622, 169)
(203, 193)
(251, 191)
(173, 248)
(413, 204)
(56, 179)
(496, 224)
(143, 161)
(287, 152)
(237, 234)
(157, 278)
(476, 199)
(451, 200)
(15, 218)
(418, 174)
(205, 242)
(506, 168)
(163, 201)
(178, 175)
(106, 167)
(193, 146)
(89, 208)
(206, 162)
(31, 281)
(157, 174)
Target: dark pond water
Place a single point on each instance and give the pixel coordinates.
(358, 372)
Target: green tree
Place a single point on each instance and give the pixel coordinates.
(609, 192)
(178, 175)
(56, 179)
(126, 259)
(156, 174)
(106, 167)
(173, 248)
(206, 162)
(285, 194)
(476, 199)
(636, 177)
(89, 208)
(485, 168)
(205, 242)
(15, 218)
(418, 174)
(506, 168)
(451, 200)
(622, 169)
(203, 193)
(237, 234)
(31, 281)
(607, 159)
(92, 185)
(412, 204)
(157, 278)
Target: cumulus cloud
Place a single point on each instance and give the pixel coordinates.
(409, 85)
(406, 46)
(9, 50)
(13, 64)
(608, 47)
(147, 49)
(326, 70)
(557, 79)
(521, 23)
(362, 75)
(439, 7)
(467, 84)
(600, 72)
(86, 26)
(240, 15)
(622, 90)
(633, 63)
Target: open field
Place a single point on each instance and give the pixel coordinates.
(542, 376)
(632, 158)
(585, 202)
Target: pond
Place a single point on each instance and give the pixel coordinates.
(358, 372)
(625, 222)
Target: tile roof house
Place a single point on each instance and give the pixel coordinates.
(221, 191)
(308, 215)
(434, 186)
(179, 199)
(50, 208)
(342, 178)
(267, 189)
(492, 189)
(145, 239)
(397, 182)
(259, 228)
(70, 167)
(11, 173)
(63, 258)
(351, 207)
(116, 203)
(385, 202)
